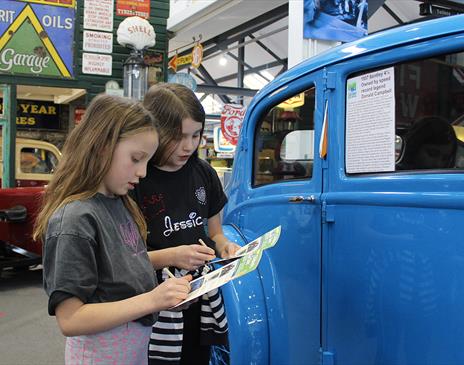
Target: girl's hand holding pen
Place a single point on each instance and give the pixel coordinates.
(190, 257)
(228, 249)
(186, 305)
(171, 292)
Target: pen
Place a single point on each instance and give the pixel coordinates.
(202, 242)
(170, 274)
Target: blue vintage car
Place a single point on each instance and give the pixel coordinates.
(358, 155)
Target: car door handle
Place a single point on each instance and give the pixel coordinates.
(301, 199)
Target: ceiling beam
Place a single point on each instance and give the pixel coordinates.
(282, 70)
(202, 70)
(374, 5)
(243, 63)
(222, 41)
(220, 44)
(263, 46)
(250, 71)
(221, 48)
(225, 90)
(240, 70)
(392, 14)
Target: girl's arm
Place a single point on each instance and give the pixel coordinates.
(76, 318)
(224, 247)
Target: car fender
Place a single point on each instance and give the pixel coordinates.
(20, 233)
(246, 313)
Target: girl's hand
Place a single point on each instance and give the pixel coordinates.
(190, 257)
(228, 250)
(171, 292)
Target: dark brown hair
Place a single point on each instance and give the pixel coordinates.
(171, 104)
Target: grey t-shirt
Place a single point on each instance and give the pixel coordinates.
(93, 251)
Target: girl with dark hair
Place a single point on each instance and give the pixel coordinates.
(179, 193)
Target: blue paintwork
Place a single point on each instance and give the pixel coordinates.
(381, 281)
(246, 310)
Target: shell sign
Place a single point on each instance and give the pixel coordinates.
(36, 39)
(232, 116)
(136, 32)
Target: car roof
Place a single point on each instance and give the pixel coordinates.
(383, 40)
(34, 143)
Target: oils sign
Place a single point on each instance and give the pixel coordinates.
(36, 114)
(37, 39)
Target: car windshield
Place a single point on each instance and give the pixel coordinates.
(38, 160)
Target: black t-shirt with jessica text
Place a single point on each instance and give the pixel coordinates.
(175, 204)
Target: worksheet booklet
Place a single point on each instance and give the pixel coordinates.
(245, 260)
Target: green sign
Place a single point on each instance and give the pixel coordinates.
(36, 39)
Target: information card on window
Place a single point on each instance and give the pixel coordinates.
(370, 122)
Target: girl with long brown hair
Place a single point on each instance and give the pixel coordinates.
(180, 194)
(97, 272)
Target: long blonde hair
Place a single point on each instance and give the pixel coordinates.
(87, 155)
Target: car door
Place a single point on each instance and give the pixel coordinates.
(393, 257)
(278, 182)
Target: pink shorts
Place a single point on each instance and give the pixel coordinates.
(123, 345)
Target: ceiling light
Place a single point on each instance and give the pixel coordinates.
(223, 61)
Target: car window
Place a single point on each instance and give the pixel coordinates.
(38, 161)
(284, 141)
(406, 117)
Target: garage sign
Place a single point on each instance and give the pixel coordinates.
(36, 39)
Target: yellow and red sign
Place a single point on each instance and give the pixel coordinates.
(184, 60)
(179, 61)
(193, 58)
(65, 3)
(139, 8)
(173, 63)
(293, 102)
(197, 55)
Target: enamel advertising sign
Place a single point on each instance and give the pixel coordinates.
(139, 8)
(65, 3)
(231, 121)
(221, 144)
(36, 114)
(37, 39)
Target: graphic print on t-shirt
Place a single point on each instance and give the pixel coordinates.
(153, 205)
(193, 220)
(130, 236)
(200, 193)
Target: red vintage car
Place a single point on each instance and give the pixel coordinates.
(35, 163)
